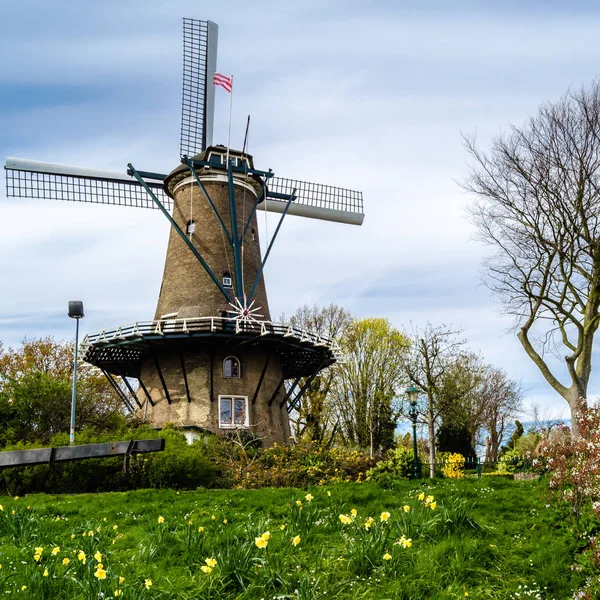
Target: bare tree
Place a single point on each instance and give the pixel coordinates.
(434, 352)
(500, 400)
(538, 207)
(314, 419)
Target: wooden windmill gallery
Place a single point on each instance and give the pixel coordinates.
(212, 359)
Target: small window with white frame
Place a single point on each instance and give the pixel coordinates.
(233, 412)
(227, 281)
(232, 368)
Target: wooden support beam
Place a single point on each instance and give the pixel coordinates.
(289, 393)
(276, 391)
(162, 379)
(262, 376)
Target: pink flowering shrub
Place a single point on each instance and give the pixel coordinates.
(573, 466)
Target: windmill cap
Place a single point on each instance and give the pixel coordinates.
(216, 156)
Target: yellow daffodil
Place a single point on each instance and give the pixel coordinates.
(433, 505)
(115, 527)
(190, 522)
(65, 561)
(57, 517)
(45, 573)
(298, 502)
(55, 550)
(266, 535)
(90, 533)
(422, 496)
(98, 556)
(1, 507)
(384, 516)
(161, 519)
(81, 557)
(466, 594)
(72, 536)
(329, 493)
(404, 542)
(12, 512)
(104, 519)
(354, 512)
(36, 557)
(200, 529)
(23, 588)
(148, 583)
(205, 569)
(428, 500)
(308, 497)
(345, 519)
(406, 508)
(224, 521)
(213, 518)
(100, 573)
(211, 562)
(16, 497)
(296, 540)
(387, 556)
(118, 593)
(261, 542)
(39, 550)
(282, 527)
(121, 579)
(369, 522)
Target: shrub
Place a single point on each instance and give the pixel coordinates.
(397, 464)
(299, 465)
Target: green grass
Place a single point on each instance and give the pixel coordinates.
(486, 538)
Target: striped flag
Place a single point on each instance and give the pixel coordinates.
(223, 81)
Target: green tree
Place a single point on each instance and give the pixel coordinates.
(368, 382)
(35, 393)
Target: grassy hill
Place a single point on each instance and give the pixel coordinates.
(488, 538)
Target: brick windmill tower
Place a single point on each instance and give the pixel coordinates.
(211, 359)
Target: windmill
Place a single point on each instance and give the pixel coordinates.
(211, 359)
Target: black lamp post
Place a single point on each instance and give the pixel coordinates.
(75, 312)
(413, 393)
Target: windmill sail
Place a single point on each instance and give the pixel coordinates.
(198, 99)
(48, 181)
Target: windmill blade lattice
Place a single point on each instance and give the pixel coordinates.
(317, 201)
(198, 99)
(47, 181)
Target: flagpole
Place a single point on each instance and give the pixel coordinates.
(229, 126)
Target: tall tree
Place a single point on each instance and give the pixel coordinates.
(369, 380)
(434, 352)
(314, 418)
(538, 208)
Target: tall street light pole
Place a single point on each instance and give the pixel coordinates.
(413, 393)
(75, 312)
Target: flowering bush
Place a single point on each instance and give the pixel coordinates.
(452, 465)
(573, 465)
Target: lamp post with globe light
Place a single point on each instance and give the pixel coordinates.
(413, 394)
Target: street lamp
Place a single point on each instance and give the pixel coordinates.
(75, 312)
(413, 394)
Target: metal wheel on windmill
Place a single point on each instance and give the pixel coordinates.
(211, 359)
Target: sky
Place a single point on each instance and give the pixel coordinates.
(369, 96)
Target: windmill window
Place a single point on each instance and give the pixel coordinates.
(233, 412)
(191, 227)
(231, 368)
(227, 281)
